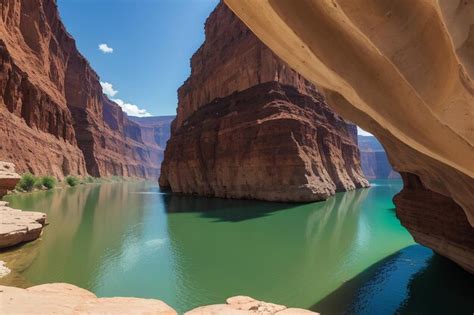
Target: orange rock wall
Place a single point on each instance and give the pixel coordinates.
(248, 126)
(54, 117)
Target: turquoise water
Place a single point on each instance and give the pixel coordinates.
(130, 239)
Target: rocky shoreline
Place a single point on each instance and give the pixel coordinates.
(16, 226)
(63, 298)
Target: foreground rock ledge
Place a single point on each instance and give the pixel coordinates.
(63, 298)
(247, 305)
(18, 226)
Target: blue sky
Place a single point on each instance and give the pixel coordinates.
(139, 48)
(152, 42)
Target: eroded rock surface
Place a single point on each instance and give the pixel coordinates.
(246, 306)
(8, 178)
(62, 298)
(54, 118)
(374, 160)
(402, 70)
(17, 226)
(248, 126)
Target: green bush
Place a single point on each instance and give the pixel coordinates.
(48, 182)
(27, 182)
(72, 180)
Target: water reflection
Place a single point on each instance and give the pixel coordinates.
(290, 257)
(130, 239)
(411, 281)
(88, 225)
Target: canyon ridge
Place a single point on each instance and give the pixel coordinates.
(54, 118)
(248, 126)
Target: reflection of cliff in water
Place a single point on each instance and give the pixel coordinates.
(86, 218)
(411, 281)
(292, 256)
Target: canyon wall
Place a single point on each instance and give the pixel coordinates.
(248, 126)
(374, 160)
(54, 118)
(403, 71)
(155, 133)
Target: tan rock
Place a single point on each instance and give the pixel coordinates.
(8, 178)
(18, 226)
(402, 70)
(244, 305)
(61, 298)
(4, 270)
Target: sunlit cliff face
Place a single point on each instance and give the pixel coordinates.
(403, 71)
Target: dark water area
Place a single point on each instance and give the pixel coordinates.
(348, 254)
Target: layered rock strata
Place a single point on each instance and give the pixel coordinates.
(403, 71)
(16, 226)
(155, 133)
(54, 118)
(374, 160)
(8, 177)
(248, 126)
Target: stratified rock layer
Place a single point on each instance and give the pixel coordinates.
(54, 118)
(403, 71)
(155, 133)
(16, 226)
(248, 126)
(374, 160)
(8, 177)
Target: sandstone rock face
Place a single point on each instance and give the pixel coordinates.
(18, 226)
(155, 133)
(403, 71)
(374, 160)
(62, 298)
(248, 126)
(246, 306)
(54, 118)
(8, 177)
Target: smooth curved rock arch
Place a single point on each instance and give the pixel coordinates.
(401, 70)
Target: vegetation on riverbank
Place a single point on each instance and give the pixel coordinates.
(30, 182)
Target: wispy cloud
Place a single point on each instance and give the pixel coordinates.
(108, 89)
(131, 109)
(106, 49)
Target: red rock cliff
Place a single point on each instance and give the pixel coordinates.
(54, 118)
(248, 126)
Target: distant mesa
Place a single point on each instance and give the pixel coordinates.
(374, 160)
(250, 127)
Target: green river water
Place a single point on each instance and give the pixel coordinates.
(348, 254)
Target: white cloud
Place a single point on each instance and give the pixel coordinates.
(108, 89)
(106, 49)
(131, 109)
(362, 132)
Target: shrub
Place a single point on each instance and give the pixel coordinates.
(27, 182)
(72, 180)
(48, 182)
